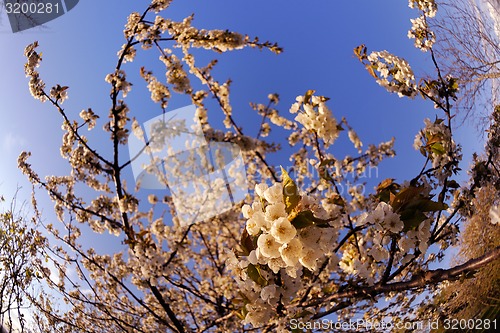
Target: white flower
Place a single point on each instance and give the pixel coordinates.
(268, 246)
(293, 271)
(291, 252)
(257, 315)
(282, 230)
(256, 223)
(407, 259)
(269, 293)
(396, 74)
(355, 139)
(274, 212)
(252, 258)
(257, 207)
(316, 117)
(422, 246)
(274, 194)
(424, 37)
(393, 223)
(59, 93)
(379, 253)
(362, 219)
(424, 231)
(310, 236)
(275, 264)
(260, 188)
(152, 199)
(429, 7)
(374, 217)
(362, 268)
(309, 258)
(406, 244)
(247, 211)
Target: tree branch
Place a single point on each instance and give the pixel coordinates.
(428, 278)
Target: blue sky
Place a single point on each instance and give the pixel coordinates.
(79, 49)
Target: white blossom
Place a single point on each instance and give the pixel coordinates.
(282, 230)
(420, 31)
(260, 189)
(268, 246)
(429, 7)
(392, 222)
(396, 74)
(291, 252)
(316, 117)
(274, 194)
(379, 253)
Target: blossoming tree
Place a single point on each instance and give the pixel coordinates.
(297, 249)
(468, 38)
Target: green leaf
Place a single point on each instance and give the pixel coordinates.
(432, 138)
(322, 170)
(308, 95)
(248, 243)
(386, 188)
(253, 273)
(404, 197)
(303, 219)
(306, 218)
(291, 195)
(438, 121)
(411, 204)
(412, 218)
(412, 198)
(433, 206)
(437, 148)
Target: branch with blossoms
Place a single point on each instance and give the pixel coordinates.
(115, 209)
(405, 221)
(301, 249)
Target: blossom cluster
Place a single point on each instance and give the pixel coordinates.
(280, 244)
(396, 74)
(159, 5)
(428, 7)
(435, 142)
(119, 81)
(315, 116)
(285, 245)
(219, 40)
(420, 31)
(176, 75)
(384, 217)
(89, 117)
(159, 91)
(363, 255)
(59, 93)
(424, 37)
(36, 85)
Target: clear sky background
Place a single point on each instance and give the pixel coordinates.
(318, 37)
